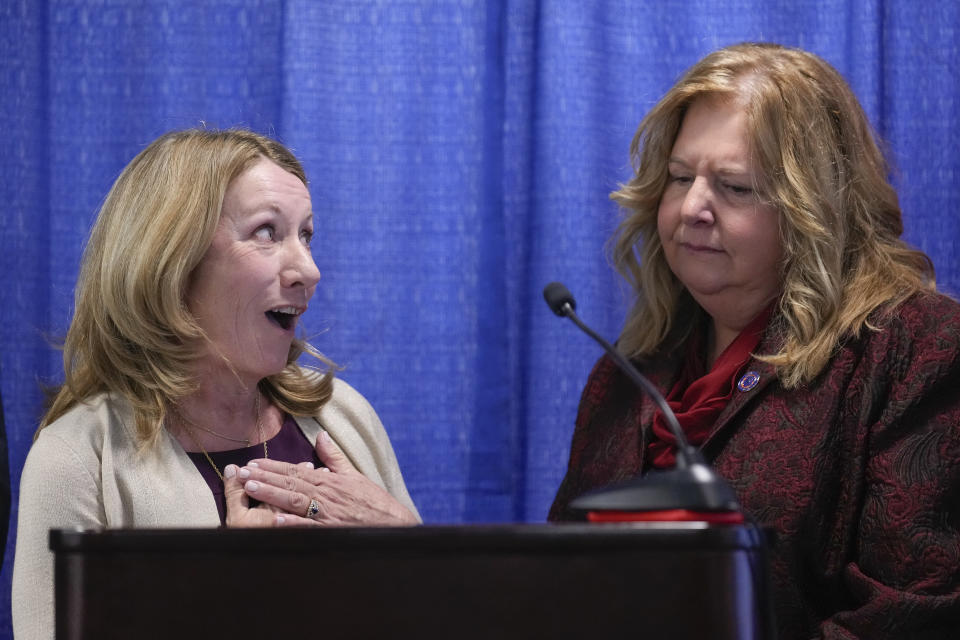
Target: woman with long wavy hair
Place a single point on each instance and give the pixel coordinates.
(800, 342)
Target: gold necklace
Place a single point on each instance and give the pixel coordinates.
(186, 423)
(244, 441)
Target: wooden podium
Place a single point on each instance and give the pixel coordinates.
(681, 580)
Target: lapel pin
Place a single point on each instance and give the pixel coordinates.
(748, 381)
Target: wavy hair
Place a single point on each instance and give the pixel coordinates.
(132, 333)
(820, 165)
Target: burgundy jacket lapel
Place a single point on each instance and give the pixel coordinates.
(743, 398)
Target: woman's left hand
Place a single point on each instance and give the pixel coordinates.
(335, 495)
(239, 511)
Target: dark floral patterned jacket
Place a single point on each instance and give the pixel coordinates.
(858, 472)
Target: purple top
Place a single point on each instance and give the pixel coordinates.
(289, 445)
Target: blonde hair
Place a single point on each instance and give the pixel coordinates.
(819, 165)
(131, 333)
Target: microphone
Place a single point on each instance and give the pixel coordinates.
(692, 490)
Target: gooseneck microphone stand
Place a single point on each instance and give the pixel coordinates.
(692, 490)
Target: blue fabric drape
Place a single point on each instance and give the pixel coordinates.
(460, 157)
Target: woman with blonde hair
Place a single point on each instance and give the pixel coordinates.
(799, 340)
(181, 367)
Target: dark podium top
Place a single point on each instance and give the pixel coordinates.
(515, 581)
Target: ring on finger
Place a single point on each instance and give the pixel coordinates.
(313, 508)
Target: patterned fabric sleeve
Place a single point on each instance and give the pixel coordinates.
(570, 488)
(904, 576)
(607, 441)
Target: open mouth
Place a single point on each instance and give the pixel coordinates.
(284, 317)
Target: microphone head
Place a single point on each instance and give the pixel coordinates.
(557, 295)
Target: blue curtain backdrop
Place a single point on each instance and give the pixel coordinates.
(460, 157)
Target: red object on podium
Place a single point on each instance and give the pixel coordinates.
(667, 515)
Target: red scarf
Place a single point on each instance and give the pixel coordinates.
(697, 398)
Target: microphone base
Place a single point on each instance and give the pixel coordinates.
(695, 488)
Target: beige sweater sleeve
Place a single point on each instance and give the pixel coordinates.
(58, 489)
